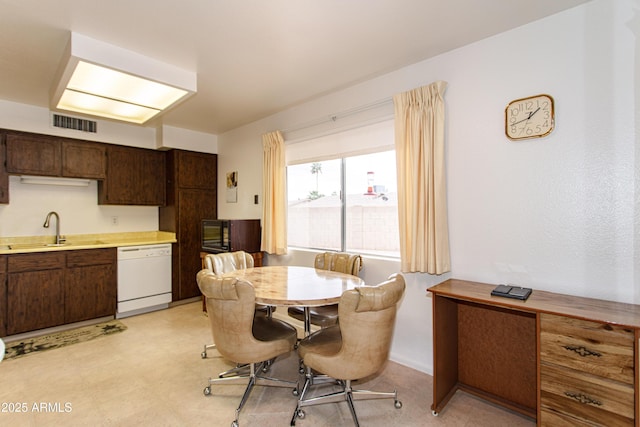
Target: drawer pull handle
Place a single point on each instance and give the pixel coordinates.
(582, 351)
(583, 398)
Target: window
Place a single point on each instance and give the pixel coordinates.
(365, 221)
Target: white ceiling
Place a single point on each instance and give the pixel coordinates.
(253, 57)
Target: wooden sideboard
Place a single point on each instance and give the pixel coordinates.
(561, 360)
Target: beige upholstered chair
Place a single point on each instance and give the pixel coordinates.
(355, 348)
(242, 336)
(228, 261)
(223, 263)
(342, 262)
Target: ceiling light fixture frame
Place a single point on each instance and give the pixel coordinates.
(122, 70)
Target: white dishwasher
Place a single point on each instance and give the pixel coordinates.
(144, 279)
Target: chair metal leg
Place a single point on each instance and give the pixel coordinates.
(254, 377)
(238, 370)
(346, 394)
(369, 395)
(247, 391)
(349, 397)
(305, 387)
(233, 371)
(207, 347)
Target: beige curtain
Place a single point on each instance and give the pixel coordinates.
(422, 201)
(274, 190)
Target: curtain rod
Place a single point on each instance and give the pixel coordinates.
(337, 116)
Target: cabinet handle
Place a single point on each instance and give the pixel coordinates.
(582, 351)
(582, 398)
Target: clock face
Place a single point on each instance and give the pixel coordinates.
(530, 117)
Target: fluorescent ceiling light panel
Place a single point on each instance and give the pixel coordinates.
(105, 107)
(104, 80)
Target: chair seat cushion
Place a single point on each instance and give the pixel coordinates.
(323, 316)
(325, 342)
(270, 329)
(265, 309)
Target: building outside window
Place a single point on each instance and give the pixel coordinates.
(345, 204)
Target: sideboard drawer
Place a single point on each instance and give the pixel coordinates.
(551, 418)
(585, 397)
(600, 349)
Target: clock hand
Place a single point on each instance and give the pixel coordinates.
(524, 120)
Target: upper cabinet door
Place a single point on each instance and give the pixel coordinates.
(135, 176)
(197, 170)
(82, 159)
(33, 155)
(4, 178)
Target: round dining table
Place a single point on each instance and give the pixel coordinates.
(285, 285)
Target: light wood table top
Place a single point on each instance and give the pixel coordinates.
(297, 286)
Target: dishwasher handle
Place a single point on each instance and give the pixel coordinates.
(145, 251)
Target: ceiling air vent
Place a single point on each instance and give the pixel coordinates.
(67, 122)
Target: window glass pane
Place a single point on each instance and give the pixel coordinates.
(372, 204)
(314, 213)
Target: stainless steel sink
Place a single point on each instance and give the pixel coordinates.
(29, 245)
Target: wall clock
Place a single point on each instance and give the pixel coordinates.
(530, 117)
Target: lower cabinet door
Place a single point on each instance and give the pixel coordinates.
(90, 292)
(35, 300)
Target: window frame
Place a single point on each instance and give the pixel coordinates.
(343, 201)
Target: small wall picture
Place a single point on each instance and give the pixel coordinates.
(232, 187)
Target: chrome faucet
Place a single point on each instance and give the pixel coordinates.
(59, 238)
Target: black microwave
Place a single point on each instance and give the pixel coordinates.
(215, 235)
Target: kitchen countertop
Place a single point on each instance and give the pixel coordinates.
(27, 244)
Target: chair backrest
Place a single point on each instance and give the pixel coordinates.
(339, 261)
(367, 320)
(228, 261)
(230, 306)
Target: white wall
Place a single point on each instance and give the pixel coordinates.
(171, 137)
(242, 154)
(560, 213)
(36, 119)
(78, 206)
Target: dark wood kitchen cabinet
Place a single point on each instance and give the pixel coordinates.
(126, 175)
(135, 176)
(191, 197)
(32, 154)
(35, 291)
(46, 155)
(83, 159)
(3, 295)
(4, 176)
(46, 289)
(90, 284)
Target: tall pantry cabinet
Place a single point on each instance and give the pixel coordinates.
(191, 197)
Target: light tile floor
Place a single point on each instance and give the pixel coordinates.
(152, 375)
